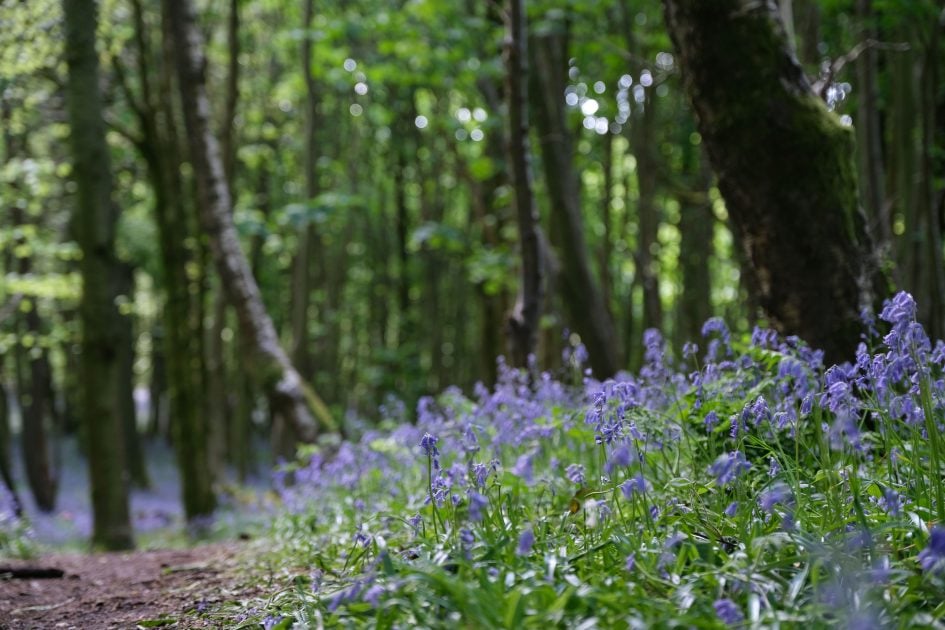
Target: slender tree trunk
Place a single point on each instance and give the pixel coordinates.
(216, 402)
(696, 227)
(868, 134)
(648, 218)
(903, 158)
(95, 219)
(785, 167)
(587, 311)
(137, 468)
(607, 242)
(807, 31)
(302, 265)
(523, 320)
(932, 269)
(287, 392)
(6, 469)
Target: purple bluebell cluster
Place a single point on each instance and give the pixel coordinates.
(741, 441)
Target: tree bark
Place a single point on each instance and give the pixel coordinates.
(523, 320)
(785, 167)
(932, 268)
(182, 323)
(6, 469)
(696, 228)
(309, 246)
(287, 392)
(587, 311)
(868, 133)
(137, 468)
(95, 219)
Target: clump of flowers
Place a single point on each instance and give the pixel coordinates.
(752, 478)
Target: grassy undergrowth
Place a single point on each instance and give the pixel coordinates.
(745, 485)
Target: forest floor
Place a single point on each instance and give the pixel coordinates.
(164, 588)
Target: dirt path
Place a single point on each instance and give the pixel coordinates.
(115, 590)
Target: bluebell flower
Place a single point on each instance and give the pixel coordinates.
(428, 444)
(466, 536)
(779, 493)
(634, 485)
(764, 338)
(620, 457)
(346, 595)
(716, 325)
(361, 537)
(900, 309)
(317, 575)
(711, 420)
(523, 467)
(732, 509)
(673, 541)
(728, 612)
(525, 542)
(891, 501)
(480, 474)
(630, 562)
(575, 473)
(373, 595)
(477, 503)
(729, 466)
(932, 558)
(759, 410)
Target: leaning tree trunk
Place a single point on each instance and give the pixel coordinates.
(785, 167)
(523, 321)
(287, 393)
(94, 220)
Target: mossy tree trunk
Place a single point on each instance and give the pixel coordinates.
(785, 167)
(288, 394)
(94, 222)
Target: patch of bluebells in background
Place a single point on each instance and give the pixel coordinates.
(713, 481)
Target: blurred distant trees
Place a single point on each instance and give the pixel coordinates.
(331, 198)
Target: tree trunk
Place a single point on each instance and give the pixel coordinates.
(95, 219)
(785, 167)
(587, 311)
(696, 228)
(137, 468)
(189, 422)
(868, 135)
(302, 265)
(931, 295)
(643, 144)
(285, 388)
(6, 469)
(523, 320)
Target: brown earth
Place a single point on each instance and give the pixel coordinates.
(128, 590)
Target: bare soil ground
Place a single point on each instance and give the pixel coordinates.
(128, 590)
